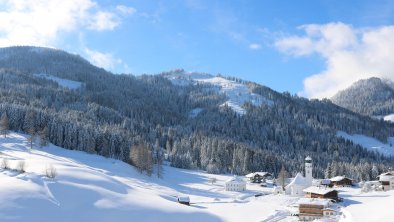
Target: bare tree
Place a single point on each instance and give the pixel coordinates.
(44, 137)
(50, 171)
(141, 158)
(281, 181)
(5, 164)
(21, 167)
(4, 125)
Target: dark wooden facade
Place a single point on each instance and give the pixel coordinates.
(344, 182)
(329, 195)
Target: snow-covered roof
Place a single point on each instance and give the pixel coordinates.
(257, 173)
(318, 190)
(298, 180)
(184, 199)
(314, 201)
(308, 158)
(339, 178)
(236, 180)
(390, 173)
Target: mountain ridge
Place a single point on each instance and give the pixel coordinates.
(113, 113)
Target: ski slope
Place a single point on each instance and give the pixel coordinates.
(237, 93)
(370, 143)
(69, 84)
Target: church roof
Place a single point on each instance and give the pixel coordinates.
(298, 180)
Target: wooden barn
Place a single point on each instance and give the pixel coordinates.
(321, 193)
(341, 181)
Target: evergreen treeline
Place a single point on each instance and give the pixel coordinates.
(112, 115)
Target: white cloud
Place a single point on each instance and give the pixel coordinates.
(103, 21)
(41, 22)
(350, 54)
(254, 46)
(104, 60)
(125, 10)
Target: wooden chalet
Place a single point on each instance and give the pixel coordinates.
(341, 181)
(312, 209)
(258, 177)
(321, 193)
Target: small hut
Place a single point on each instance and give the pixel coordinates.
(184, 200)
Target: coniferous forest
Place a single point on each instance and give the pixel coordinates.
(112, 114)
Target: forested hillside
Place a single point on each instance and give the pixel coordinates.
(110, 114)
(373, 97)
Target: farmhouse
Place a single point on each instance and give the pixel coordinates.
(258, 177)
(321, 193)
(341, 181)
(387, 180)
(235, 184)
(312, 209)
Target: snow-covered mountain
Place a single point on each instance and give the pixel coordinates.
(237, 93)
(193, 117)
(373, 97)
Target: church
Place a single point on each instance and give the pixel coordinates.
(299, 182)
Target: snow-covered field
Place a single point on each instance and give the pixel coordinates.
(237, 93)
(70, 84)
(93, 188)
(375, 206)
(370, 143)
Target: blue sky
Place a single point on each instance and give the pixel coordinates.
(313, 48)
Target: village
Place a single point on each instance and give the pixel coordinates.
(308, 198)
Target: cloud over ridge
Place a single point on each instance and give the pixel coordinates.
(350, 54)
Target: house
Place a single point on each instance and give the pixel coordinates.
(341, 181)
(296, 186)
(235, 184)
(312, 209)
(258, 177)
(184, 200)
(321, 193)
(386, 180)
(299, 183)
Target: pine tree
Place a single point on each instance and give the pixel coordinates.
(4, 125)
(328, 171)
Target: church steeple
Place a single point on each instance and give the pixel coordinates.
(308, 170)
